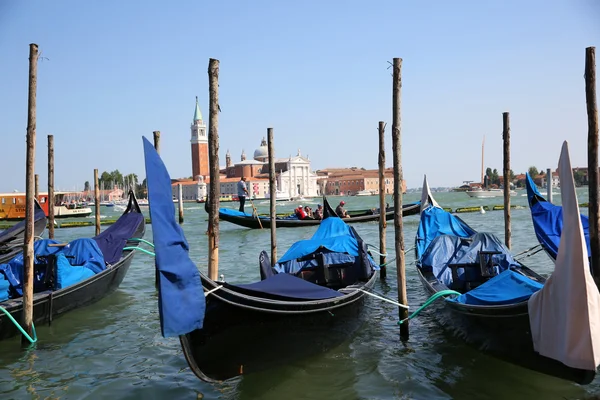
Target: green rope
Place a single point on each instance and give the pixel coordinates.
(32, 340)
(142, 240)
(429, 301)
(386, 263)
(140, 249)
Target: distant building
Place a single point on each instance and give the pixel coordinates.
(349, 181)
(199, 143)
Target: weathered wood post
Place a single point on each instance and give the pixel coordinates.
(549, 184)
(37, 187)
(50, 201)
(180, 202)
(398, 176)
(156, 135)
(506, 140)
(272, 195)
(382, 208)
(29, 193)
(594, 205)
(213, 157)
(97, 201)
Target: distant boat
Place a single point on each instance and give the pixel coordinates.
(364, 193)
(485, 193)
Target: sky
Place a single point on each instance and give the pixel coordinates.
(317, 72)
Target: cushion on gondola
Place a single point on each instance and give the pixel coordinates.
(112, 241)
(4, 288)
(67, 274)
(507, 288)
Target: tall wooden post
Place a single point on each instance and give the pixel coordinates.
(97, 201)
(156, 135)
(398, 177)
(382, 208)
(29, 193)
(50, 201)
(272, 195)
(37, 187)
(594, 201)
(549, 184)
(506, 141)
(213, 158)
(180, 202)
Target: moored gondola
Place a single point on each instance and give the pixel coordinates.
(504, 307)
(11, 239)
(103, 255)
(251, 221)
(307, 302)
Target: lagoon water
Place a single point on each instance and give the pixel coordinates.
(114, 349)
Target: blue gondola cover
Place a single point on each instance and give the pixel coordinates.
(290, 287)
(548, 220)
(435, 221)
(181, 301)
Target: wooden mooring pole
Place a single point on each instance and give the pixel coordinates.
(97, 201)
(29, 196)
(549, 184)
(180, 202)
(594, 201)
(272, 195)
(382, 207)
(506, 172)
(398, 176)
(50, 201)
(213, 158)
(37, 187)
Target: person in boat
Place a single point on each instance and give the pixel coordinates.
(309, 213)
(318, 214)
(300, 213)
(242, 192)
(340, 211)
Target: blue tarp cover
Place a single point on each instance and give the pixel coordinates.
(113, 240)
(4, 288)
(67, 274)
(507, 288)
(291, 287)
(436, 222)
(181, 301)
(548, 220)
(450, 249)
(85, 251)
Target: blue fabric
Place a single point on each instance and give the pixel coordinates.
(181, 301)
(436, 222)
(67, 274)
(86, 253)
(548, 220)
(291, 287)
(448, 249)
(4, 288)
(333, 234)
(112, 241)
(507, 288)
(293, 266)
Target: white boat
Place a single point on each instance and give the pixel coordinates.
(279, 196)
(486, 193)
(364, 193)
(66, 212)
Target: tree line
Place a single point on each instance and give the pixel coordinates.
(493, 178)
(107, 180)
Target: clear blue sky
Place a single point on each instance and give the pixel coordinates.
(315, 71)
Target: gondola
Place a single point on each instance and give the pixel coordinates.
(250, 221)
(49, 301)
(309, 301)
(11, 239)
(548, 220)
(499, 302)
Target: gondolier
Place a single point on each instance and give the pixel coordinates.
(242, 192)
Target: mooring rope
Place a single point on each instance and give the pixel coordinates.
(141, 240)
(212, 290)
(140, 249)
(383, 298)
(10, 317)
(430, 300)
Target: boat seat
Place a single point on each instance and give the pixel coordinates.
(474, 273)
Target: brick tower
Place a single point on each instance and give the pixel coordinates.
(199, 143)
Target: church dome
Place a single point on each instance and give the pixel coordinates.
(262, 153)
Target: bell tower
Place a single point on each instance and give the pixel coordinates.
(199, 143)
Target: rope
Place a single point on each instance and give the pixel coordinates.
(386, 263)
(428, 302)
(375, 251)
(141, 240)
(526, 251)
(383, 298)
(31, 340)
(140, 249)
(531, 254)
(212, 290)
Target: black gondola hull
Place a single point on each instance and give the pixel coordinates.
(12, 250)
(242, 335)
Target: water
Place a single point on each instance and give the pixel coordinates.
(113, 349)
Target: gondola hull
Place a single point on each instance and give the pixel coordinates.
(501, 331)
(250, 221)
(9, 249)
(242, 335)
